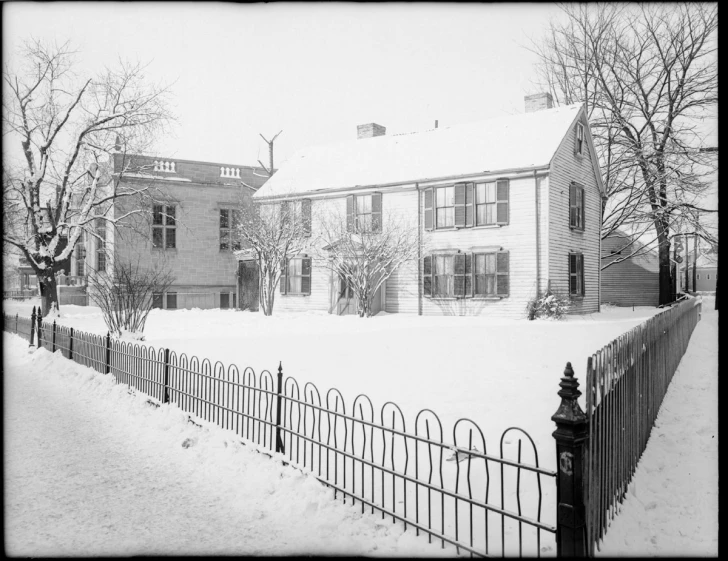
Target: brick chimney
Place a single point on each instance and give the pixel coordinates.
(370, 130)
(537, 102)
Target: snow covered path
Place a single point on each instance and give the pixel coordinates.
(671, 508)
(91, 470)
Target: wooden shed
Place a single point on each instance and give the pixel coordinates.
(633, 278)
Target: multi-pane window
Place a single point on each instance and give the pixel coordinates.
(576, 274)
(579, 139)
(465, 275)
(576, 206)
(164, 227)
(229, 234)
(100, 245)
(80, 256)
(296, 276)
(465, 205)
(157, 300)
(445, 207)
(364, 213)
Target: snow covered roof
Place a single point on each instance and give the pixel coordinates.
(512, 142)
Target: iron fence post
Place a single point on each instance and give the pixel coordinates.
(165, 393)
(53, 338)
(279, 441)
(70, 345)
(108, 352)
(571, 437)
(40, 327)
(32, 327)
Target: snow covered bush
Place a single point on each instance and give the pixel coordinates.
(550, 305)
(126, 295)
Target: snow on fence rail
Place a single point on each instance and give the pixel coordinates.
(626, 383)
(455, 490)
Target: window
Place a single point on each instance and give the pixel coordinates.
(576, 206)
(164, 227)
(229, 235)
(576, 274)
(579, 140)
(296, 276)
(364, 213)
(445, 207)
(698, 276)
(100, 245)
(171, 300)
(157, 301)
(224, 300)
(464, 275)
(465, 205)
(707, 277)
(80, 256)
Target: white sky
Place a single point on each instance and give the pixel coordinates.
(315, 71)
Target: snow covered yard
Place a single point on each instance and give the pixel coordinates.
(91, 470)
(499, 373)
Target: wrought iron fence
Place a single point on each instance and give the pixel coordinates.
(455, 490)
(626, 383)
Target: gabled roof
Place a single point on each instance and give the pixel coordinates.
(514, 142)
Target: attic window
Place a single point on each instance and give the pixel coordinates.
(579, 140)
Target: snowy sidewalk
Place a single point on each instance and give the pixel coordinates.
(671, 508)
(91, 470)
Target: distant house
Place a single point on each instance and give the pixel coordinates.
(631, 276)
(706, 273)
(505, 209)
(189, 227)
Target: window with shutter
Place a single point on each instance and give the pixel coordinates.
(157, 301)
(485, 203)
(306, 216)
(491, 274)
(503, 274)
(306, 275)
(459, 205)
(376, 212)
(576, 274)
(469, 205)
(445, 207)
(224, 300)
(502, 189)
(427, 276)
(171, 300)
(579, 140)
(429, 209)
(576, 206)
(350, 213)
(296, 276)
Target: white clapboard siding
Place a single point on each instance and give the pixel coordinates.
(562, 240)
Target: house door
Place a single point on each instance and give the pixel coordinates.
(346, 303)
(248, 283)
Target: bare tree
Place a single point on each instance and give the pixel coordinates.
(68, 130)
(647, 74)
(366, 257)
(273, 232)
(126, 295)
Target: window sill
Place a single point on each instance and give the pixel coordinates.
(576, 230)
(457, 228)
(454, 298)
(296, 295)
(489, 298)
(172, 249)
(488, 226)
(576, 298)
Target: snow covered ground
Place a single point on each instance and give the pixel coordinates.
(91, 470)
(498, 373)
(671, 508)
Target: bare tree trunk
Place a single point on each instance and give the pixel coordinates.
(664, 275)
(48, 293)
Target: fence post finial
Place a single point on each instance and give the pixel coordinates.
(279, 404)
(571, 439)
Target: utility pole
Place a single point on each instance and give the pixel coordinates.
(270, 142)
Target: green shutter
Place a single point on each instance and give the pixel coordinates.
(502, 273)
(429, 210)
(306, 216)
(306, 275)
(501, 199)
(350, 213)
(427, 276)
(459, 205)
(376, 212)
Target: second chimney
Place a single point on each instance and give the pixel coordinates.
(370, 130)
(537, 102)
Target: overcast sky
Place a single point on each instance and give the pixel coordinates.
(314, 71)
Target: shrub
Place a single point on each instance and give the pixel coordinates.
(550, 305)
